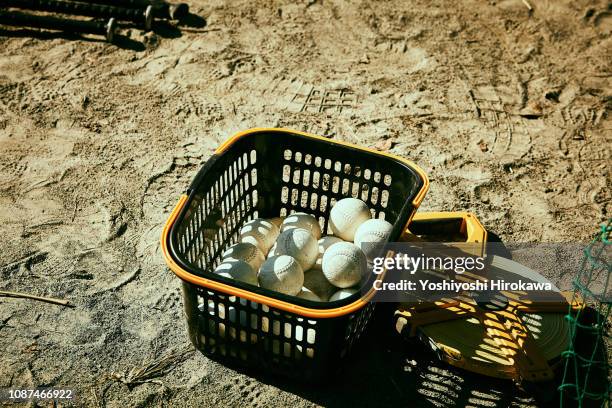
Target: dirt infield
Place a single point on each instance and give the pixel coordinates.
(506, 108)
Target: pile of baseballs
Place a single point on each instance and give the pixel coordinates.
(289, 255)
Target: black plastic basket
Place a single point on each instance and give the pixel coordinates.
(271, 173)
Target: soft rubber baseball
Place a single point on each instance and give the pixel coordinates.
(283, 274)
(212, 324)
(299, 334)
(304, 221)
(299, 244)
(299, 337)
(342, 294)
(323, 244)
(259, 232)
(344, 264)
(346, 216)
(272, 250)
(309, 351)
(247, 252)
(372, 231)
(230, 317)
(316, 282)
(237, 270)
(307, 294)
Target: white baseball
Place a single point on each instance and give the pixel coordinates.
(265, 321)
(309, 351)
(299, 244)
(307, 294)
(316, 282)
(231, 317)
(283, 274)
(212, 324)
(247, 252)
(299, 334)
(323, 244)
(372, 231)
(304, 221)
(342, 294)
(344, 264)
(272, 250)
(237, 270)
(259, 232)
(346, 216)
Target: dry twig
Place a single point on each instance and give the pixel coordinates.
(61, 302)
(526, 3)
(153, 369)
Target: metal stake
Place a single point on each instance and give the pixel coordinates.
(17, 19)
(86, 9)
(161, 9)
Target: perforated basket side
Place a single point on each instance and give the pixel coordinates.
(220, 202)
(250, 334)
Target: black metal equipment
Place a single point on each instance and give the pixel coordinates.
(139, 13)
(137, 16)
(161, 9)
(14, 18)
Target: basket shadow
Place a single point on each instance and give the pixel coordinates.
(386, 371)
(193, 21)
(166, 30)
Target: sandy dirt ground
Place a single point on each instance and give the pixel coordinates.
(506, 109)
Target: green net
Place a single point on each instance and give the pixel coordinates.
(586, 377)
